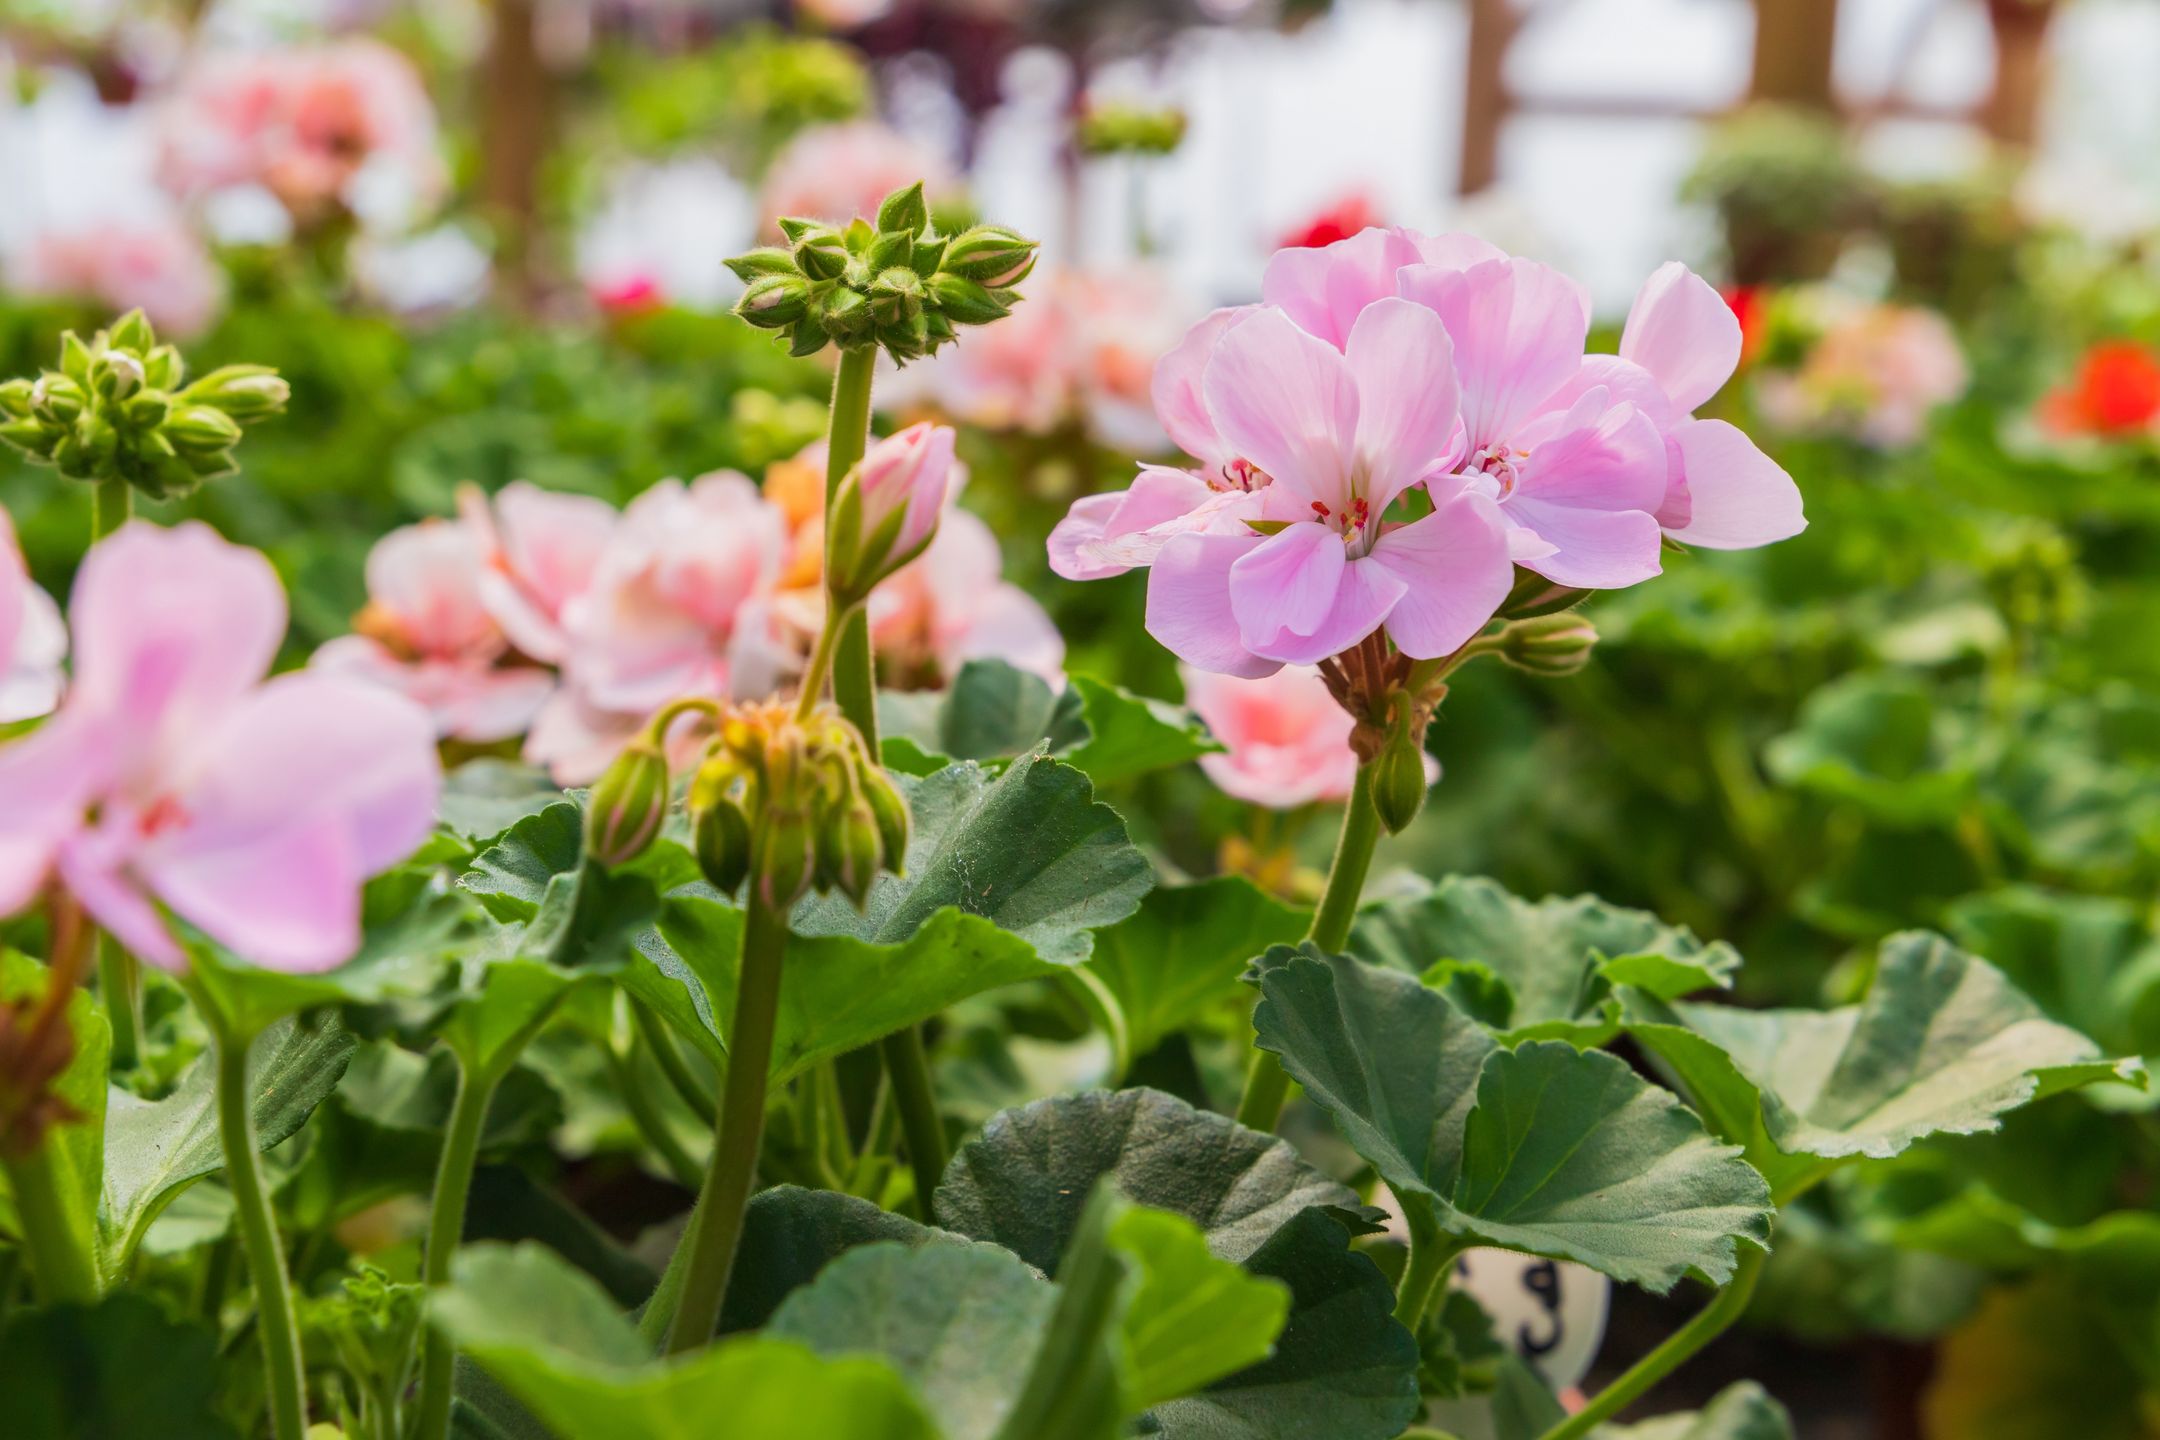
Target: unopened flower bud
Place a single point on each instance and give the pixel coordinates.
(56, 400)
(774, 301)
(1558, 644)
(15, 398)
(964, 302)
(132, 331)
(887, 508)
(845, 315)
(890, 248)
(146, 410)
(891, 814)
(721, 839)
(991, 256)
(904, 211)
(28, 435)
(787, 858)
(850, 849)
(200, 430)
(821, 254)
(628, 804)
(896, 294)
(245, 392)
(116, 375)
(1398, 771)
(766, 260)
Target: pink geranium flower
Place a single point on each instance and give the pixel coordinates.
(539, 551)
(175, 776)
(679, 605)
(1286, 741)
(427, 634)
(155, 264)
(954, 605)
(837, 172)
(33, 638)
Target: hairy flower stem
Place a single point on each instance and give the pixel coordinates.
(1638, 1379)
(855, 674)
(1266, 1086)
(716, 1227)
(446, 1225)
(60, 1264)
(1432, 1253)
(854, 685)
(282, 1372)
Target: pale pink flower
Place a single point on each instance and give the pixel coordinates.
(427, 634)
(679, 605)
(1286, 741)
(318, 127)
(176, 776)
(155, 264)
(837, 172)
(539, 550)
(954, 605)
(899, 489)
(1876, 373)
(33, 638)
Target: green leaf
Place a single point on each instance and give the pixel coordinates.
(1742, 1411)
(1559, 959)
(483, 798)
(993, 711)
(155, 1148)
(565, 913)
(1942, 1044)
(1342, 1368)
(789, 1237)
(1006, 879)
(77, 1146)
(115, 1369)
(1192, 1319)
(1543, 1149)
(961, 1322)
(1882, 743)
(491, 1023)
(1178, 958)
(554, 1340)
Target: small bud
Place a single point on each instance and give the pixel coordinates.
(132, 332)
(896, 294)
(15, 399)
(850, 849)
(39, 440)
(774, 301)
(245, 392)
(904, 211)
(821, 254)
(200, 430)
(1557, 644)
(787, 860)
(56, 400)
(845, 315)
(721, 839)
(628, 804)
(928, 254)
(74, 358)
(887, 509)
(116, 375)
(766, 260)
(963, 302)
(807, 338)
(163, 369)
(1398, 771)
(147, 410)
(991, 256)
(891, 814)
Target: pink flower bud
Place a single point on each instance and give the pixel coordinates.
(888, 508)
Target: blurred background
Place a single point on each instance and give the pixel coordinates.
(483, 240)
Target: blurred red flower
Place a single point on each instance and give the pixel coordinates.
(2116, 392)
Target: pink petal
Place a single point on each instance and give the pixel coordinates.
(48, 778)
(1085, 544)
(1738, 497)
(94, 867)
(285, 899)
(1287, 743)
(1519, 329)
(171, 627)
(1325, 290)
(1592, 549)
(1682, 331)
(1288, 403)
(541, 550)
(1007, 624)
(1404, 364)
(1286, 585)
(1455, 251)
(1188, 604)
(426, 577)
(1367, 593)
(14, 581)
(32, 682)
(1179, 403)
(1455, 567)
(574, 739)
(1594, 475)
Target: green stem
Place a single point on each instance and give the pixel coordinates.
(651, 1125)
(855, 674)
(716, 1227)
(112, 504)
(1266, 1085)
(446, 1226)
(821, 662)
(120, 982)
(1638, 1379)
(1432, 1252)
(60, 1262)
(282, 1369)
(909, 1066)
(652, 1030)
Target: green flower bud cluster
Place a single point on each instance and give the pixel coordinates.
(895, 282)
(1115, 128)
(117, 409)
(792, 805)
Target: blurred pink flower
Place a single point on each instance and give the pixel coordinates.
(837, 172)
(426, 634)
(310, 125)
(33, 638)
(156, 264)
(954, 605)
(539, 550)
(1875, 373)
(175, 775)
(1287, 741)
(679, 605)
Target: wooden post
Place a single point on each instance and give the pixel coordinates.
(2012, 112)
(1795, 46)
(516, 129)
(1486, 102)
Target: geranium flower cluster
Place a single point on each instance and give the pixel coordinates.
(1401, 421)
(557, 618)
(1873, 372)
